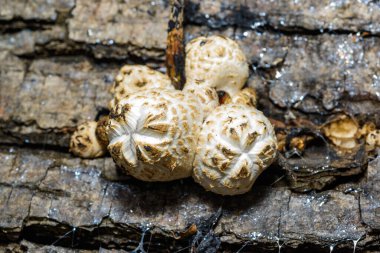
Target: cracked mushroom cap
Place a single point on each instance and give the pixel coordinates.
(133, 78)
(153, 134)
(85, 143)
(216, 62)
(236, 144)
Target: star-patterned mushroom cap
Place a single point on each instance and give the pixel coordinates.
(236, 143)
(153, 134)
(133, 78)
(216, 62)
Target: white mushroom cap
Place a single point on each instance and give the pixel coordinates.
(133, 78)
(246, 96)
(236, 144)
(216, 62)
(153, 134)
(84, 142)
(207, 97)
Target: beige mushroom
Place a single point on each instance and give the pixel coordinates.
(246, 96)
(207, 98)
(153, 134)
(216, 62)
(157, 133)
(373, 140)
(133, 78)
(85, 143)
(236, 143)
(101, 131)
(343, 131)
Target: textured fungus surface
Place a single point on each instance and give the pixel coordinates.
(236, 144)
(308, 61)
(218, 63)
(153, 134)
(131, 79)
(84, 141)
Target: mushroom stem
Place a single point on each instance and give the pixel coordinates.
(175, 51)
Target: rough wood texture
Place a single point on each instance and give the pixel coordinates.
(308, 15)
(48, 194)
(309, 60)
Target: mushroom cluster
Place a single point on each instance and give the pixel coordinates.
(157, 133)
(343, 131)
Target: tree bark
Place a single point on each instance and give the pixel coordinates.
(58, 59)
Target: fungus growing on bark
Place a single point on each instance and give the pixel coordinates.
(373, 140)
(85, 143)
(246, 96)
(343, 131)
(157, 133)
(216, 62)
(236, 144)
(133, 78)
(153, 134)
(207, 97)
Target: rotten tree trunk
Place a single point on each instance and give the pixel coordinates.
(58, 60)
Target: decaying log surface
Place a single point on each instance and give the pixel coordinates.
(52, 198)
(308, 59)
(310, 15)
(292, 77)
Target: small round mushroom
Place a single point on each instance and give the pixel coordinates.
(85, 143)
(133, 78)
(216, 62)
(157, 133)
(101, 130)
(246, 96)
(153, 134)
(343, 131)
(207, 98)
(236, 144)
(373, 140)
